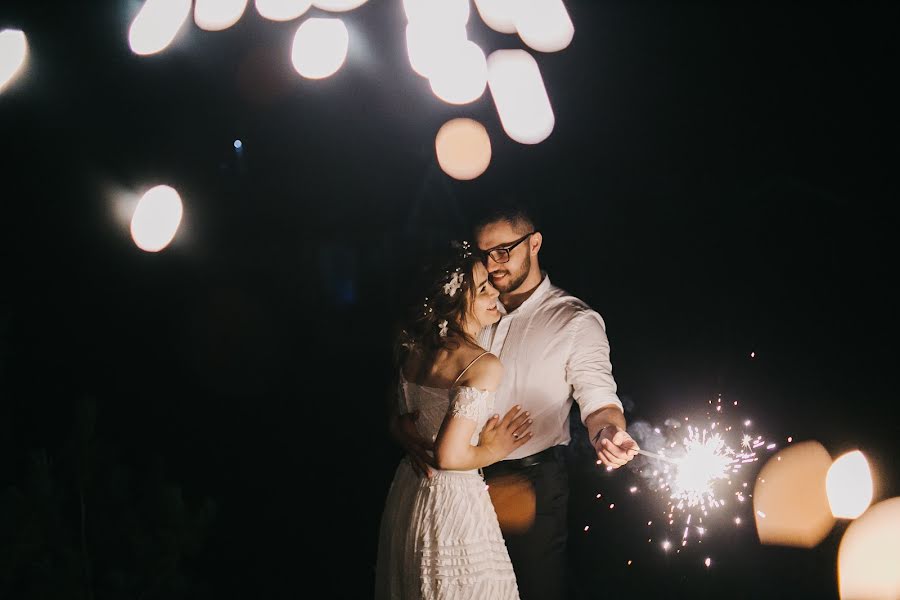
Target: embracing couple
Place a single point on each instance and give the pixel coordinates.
(490, 362)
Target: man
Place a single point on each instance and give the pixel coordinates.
(555, 351)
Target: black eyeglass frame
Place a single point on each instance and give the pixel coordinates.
(504, 250)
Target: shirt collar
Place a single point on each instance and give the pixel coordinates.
(533, 300)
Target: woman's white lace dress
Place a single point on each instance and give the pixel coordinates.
(439, 537)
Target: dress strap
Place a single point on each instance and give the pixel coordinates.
(467, 368)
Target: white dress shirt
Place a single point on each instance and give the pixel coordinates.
(554, 350)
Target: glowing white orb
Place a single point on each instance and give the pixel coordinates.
(320, 47)
(216, 15)
(544, 25)
(282, 10)
(430, 44)
(498, 14)
(13, 51)
(338, 5)
(460, 76)
(520, 96)
(849, 485)
(156, 25)
(446, 12)
(156, 218)
(463, 148)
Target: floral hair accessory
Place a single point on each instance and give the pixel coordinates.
(454, 284)
(443, 328)
(464, 247)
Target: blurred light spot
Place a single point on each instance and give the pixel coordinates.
(282, 10)
(612, 506)
(586, 527)
(520, 96)
(544, 25)
(498, 14)
(320, 47)
(338, 5)
(13, 52)
(216, 15)
(428, 45)
(463, 148)
(790, 439)
(448, 12)
(666, 545)
(737, 520)
(849, 485)
(792, 507)
(156, 218)
(238, 144)
(707, 562)
(460, 76)
(156, 25)
(629, 563)
(514, 501)
(869, 554)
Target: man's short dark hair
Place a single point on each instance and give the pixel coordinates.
(520, 214)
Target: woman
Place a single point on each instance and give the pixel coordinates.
(439, 532)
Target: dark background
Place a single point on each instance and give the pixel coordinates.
(208, 421)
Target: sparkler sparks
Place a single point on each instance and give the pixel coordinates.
(706, 464)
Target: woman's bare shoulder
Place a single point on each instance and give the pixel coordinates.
(484, 374)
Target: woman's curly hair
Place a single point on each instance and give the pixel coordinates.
(441, 301)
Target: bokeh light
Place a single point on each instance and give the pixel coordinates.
(282, 10)
(13, 52)
(544, 25)
(869, 555)
(463, 148)
(498, 14)
(427, 45)
(849, 485)
(514, 501)
(338, 5)
(789, 500)
(216, 15)
(320, 47)
(460, 76)
(446, 12)
(520, 96)
(156, 25)
(156, 218)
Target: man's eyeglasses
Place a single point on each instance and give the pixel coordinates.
(501, 255)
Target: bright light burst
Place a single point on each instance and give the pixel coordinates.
(707, 472)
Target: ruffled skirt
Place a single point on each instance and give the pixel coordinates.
(440, 539)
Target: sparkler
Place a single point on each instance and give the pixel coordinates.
(657, 456)
(701, 470)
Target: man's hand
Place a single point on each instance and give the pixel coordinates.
(419, 449)
(614, 446)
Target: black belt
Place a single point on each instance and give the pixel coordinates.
(553, 453)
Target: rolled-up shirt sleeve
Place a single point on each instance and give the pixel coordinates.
(589, 370)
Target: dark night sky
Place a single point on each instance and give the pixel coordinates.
(718, 183)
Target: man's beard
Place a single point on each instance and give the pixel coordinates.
(513, 280)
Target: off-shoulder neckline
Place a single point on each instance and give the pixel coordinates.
(443, 389)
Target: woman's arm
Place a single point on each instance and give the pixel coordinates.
(453, 448)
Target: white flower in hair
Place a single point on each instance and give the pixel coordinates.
(454, 284)
(443, 327)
